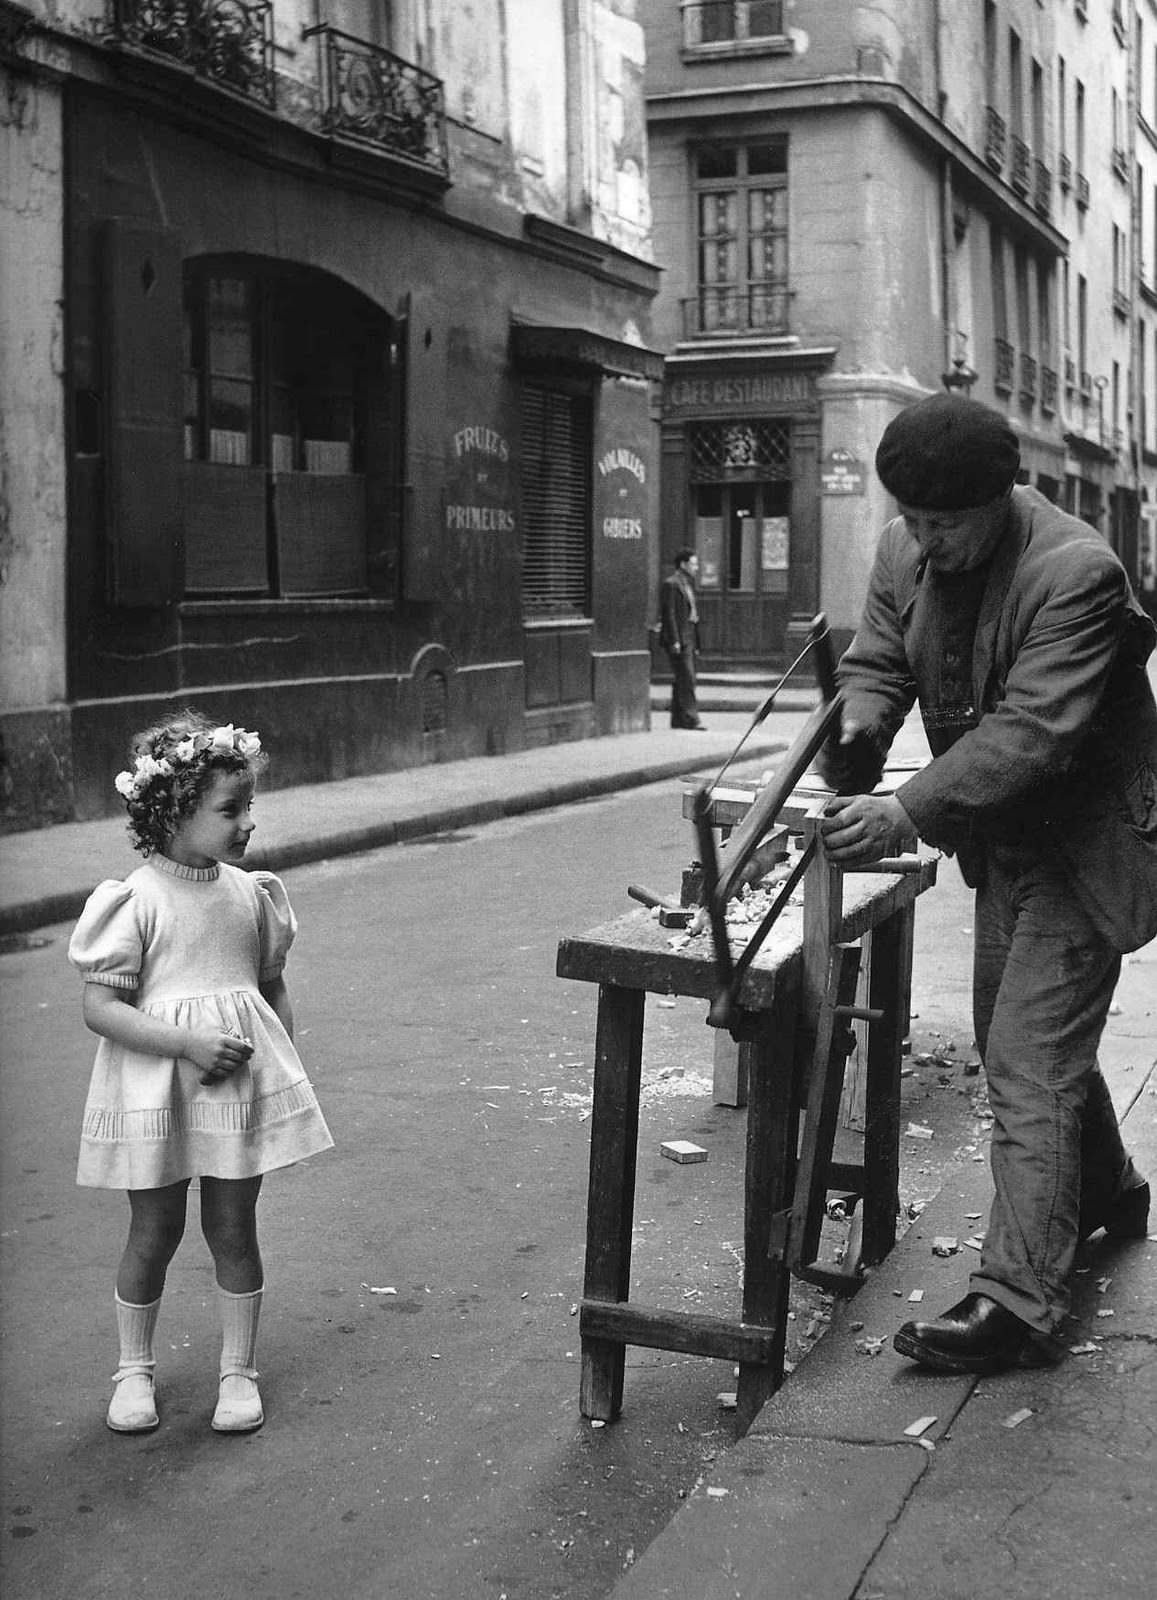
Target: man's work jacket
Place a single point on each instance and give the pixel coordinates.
(678, 615)
(1062, 750)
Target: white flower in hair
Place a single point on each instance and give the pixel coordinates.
(125, 784)
(186, 750)
(248, 744)
(222, 738)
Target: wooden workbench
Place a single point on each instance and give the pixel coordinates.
(782, 991)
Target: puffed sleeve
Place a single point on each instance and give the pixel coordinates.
(278, 924)
(106, 943)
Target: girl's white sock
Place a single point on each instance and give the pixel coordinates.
(135, 1328)
(239, 1317)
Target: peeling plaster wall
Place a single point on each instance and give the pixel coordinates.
(621, 206)
(536, 53)
(32, 483)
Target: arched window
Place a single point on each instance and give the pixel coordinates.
(292, 428)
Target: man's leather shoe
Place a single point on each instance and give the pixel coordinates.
(1127, 1217)
(977, 1335)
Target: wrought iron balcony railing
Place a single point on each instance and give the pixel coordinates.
(995, 138)
(723, 22)
(1048, 390)
(1004, 367)
(1021, 165)
(720, 311)
(1120, 302)
(376, 97)
(1082, 191)
(1027, 378)
(1065, 171)
(1070, 373)
(1042, 189)
(229, 43)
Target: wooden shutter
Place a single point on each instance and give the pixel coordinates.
(556, 458)
(142, 297)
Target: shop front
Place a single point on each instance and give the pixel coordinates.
(741, 485)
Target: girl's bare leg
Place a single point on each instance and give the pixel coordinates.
(155, 1229)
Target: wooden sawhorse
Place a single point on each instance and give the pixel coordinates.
(789, 993)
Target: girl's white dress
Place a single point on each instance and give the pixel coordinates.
(191, 944)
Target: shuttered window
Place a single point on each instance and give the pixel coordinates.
(556, 502)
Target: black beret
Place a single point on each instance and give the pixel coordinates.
(947, 453)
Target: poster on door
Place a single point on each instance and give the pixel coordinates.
(774, 547)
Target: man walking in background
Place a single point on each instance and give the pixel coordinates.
(679, 636)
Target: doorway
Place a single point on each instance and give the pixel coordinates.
(741, 530)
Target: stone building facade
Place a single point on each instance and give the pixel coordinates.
(327, 381)
(856, 205)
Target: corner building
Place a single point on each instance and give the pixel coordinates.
(327, 381)
(856, 205)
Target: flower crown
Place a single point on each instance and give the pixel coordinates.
(224, 741)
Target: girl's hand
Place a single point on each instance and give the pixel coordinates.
(217, 1054)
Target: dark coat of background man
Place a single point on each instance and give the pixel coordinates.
(679, 637)
(1014, 627)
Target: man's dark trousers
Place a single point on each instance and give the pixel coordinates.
(684, 705)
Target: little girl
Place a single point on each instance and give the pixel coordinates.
(196, 1075)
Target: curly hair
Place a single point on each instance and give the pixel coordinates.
(162, 803)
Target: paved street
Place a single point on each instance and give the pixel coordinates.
(423, 1441)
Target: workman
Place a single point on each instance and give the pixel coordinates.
(1015, 628)
(679, 636)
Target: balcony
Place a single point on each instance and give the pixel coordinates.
(995, 138)
(1065, 174)
(1121, 303)
(1042, 189)
(1070, 373)
(1086, 385)
(228, 43)
(376, 99)
(1120, 163)
(721, 312)
(1048, 390)
(1021, 165)
(1004, 367)
(1082, 191)
(733, 27)
(1027, 379)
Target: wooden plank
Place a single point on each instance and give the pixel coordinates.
(769, 1177)
(729, 1070)
(691, 1332)
(823, 1103)
(890, 991)
(611, 1192)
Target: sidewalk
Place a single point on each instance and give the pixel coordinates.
(1035, 1483)
(47, 874)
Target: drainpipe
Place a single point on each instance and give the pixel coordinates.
(947, 223)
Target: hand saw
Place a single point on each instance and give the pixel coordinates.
(722, 879)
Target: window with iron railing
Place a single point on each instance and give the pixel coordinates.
(995, 138)
(741, 241)
(1021, 165)
(375, 97)
(1004, 366)
(228, 43)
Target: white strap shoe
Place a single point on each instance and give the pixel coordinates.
(133, 1407)
(238, 1404)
